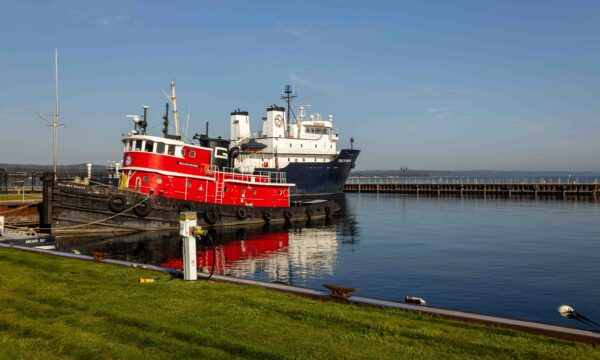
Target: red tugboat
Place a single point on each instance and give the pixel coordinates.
(163, 176)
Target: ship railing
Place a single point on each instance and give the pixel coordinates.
(276, 177)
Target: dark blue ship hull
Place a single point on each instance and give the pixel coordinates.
(320, 178)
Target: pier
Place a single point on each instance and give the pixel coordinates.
(474, 186)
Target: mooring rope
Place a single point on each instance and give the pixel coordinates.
(90, 223)
(16, 209)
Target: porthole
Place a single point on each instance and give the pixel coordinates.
(159, 181)
(192, 154)
(145, 178)
(189, 184)
(254, 192)
(279, 192)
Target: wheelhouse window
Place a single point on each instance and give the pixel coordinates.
(171, 150)
(138, 145)
(160, 148)
(192, 154)
(149, 146)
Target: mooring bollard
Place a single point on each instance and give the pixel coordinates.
(187, 224)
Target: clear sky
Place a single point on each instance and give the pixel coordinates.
(507, 85)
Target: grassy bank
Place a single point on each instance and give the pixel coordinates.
(17, 197)
(60, 308)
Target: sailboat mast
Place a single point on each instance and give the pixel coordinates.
(175, 115)
(55, 123)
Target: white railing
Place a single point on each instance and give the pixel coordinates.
(276, 177)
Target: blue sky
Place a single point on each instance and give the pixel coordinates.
(457, 85)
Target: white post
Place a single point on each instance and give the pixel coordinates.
(89, 168)
(1, 225)
(187, 223)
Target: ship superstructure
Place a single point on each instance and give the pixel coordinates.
(305, 149)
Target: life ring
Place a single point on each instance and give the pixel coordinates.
(143, 209)
(287, 214)
(267, 215)
(117, 203)
(241, 213)
(211, 216)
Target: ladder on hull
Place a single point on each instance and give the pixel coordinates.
(219, 191)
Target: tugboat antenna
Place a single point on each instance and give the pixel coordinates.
(288, 95)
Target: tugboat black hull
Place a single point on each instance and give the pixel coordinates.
(313, 178)
(79, 208)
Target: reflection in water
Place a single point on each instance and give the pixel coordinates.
(274, 253)
(282, 253)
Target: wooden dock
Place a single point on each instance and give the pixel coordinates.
(533, 190)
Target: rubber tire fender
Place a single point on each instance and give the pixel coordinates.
(241, 213)
(143, 209)
(117, 203)
(267, 215)
(287, 214)
(309, 212)
(211, 216)
(185, 207)
(328, 212)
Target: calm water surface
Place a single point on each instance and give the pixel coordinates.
(519, 258)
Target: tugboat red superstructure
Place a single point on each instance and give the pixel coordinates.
(165, 175)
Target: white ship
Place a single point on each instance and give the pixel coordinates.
(305, 148)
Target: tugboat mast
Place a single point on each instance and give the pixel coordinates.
(175, 115)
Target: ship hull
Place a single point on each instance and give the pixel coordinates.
(79, 209)
(320, 178)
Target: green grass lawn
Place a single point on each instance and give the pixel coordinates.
(60, 308)
(17, 197)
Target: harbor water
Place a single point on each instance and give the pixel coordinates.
(519, 258)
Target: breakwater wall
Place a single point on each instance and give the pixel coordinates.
(494, 189)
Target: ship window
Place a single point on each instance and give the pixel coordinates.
(243, 191)
(225, 189)
(279, 192)
(254, 192)
(171, 150)
(189, 184)
(159, 181)
(160, 148)
(315, 146)
(149, 146)
(138, 145)
(182, 152)
(290, 144)
(145, 178)
(192, 153)
(288, 159)
(300, 145)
